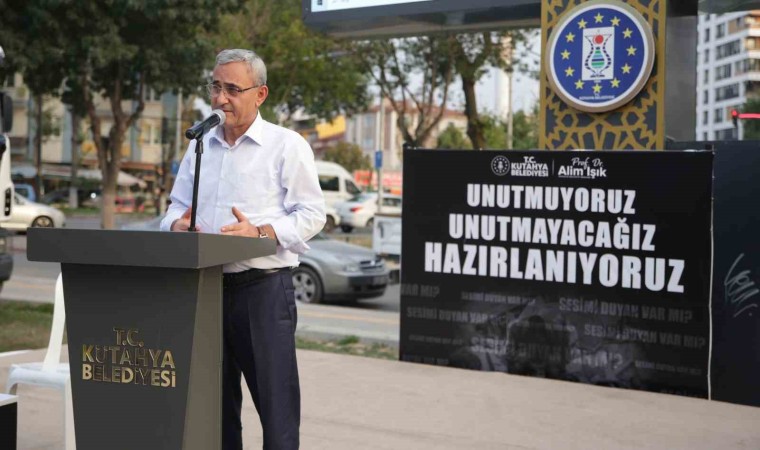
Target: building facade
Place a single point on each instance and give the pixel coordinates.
(728, 71)
(147, 143)
(377, 129)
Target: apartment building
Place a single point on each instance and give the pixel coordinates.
(376, 129)
(728, 71)
(149, 141)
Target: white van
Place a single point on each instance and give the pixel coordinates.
(337, 185)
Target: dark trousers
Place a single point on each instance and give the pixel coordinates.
(259, 342)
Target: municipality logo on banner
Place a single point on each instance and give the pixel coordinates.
(600, 55)
(528, 166)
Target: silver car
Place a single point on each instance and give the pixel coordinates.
(332, 271)
(26, 213)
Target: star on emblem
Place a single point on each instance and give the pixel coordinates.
(615, 82)
(569, 72)
(627, 33)
(631, 50)
(597, 88)
(626, 68)
(598, 18)
(582, 24)
(570, 37)
(615, 21)
(579, 84)
(565, 55)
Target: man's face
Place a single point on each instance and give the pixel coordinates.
(240, 108)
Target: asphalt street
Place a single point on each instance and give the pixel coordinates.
(372, 320)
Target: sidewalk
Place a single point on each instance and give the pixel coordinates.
(353, 403)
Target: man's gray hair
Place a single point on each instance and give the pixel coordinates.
(255, 63)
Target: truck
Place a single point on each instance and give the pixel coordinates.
(6, 185)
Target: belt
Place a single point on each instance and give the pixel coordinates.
(250, 275)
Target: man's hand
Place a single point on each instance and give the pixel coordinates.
(183, 223)
(242, 228)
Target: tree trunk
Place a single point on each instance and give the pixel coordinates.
(474, 125)
(38, 147)
(110, 170)
(73, 185)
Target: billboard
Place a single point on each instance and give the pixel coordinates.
(394, 18)
(578, 266)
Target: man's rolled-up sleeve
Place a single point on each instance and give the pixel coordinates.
(181, 195)
(303, 200)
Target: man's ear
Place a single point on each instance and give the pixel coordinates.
(261, 95)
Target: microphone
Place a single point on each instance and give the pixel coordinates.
(217, 117)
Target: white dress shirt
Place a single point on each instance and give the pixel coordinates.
(269, 175)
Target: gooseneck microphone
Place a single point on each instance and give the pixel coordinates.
(217, 117)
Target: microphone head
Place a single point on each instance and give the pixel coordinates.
(221, 114)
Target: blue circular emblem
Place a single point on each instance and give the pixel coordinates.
(600, 55)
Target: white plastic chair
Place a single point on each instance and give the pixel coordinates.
(51, 372)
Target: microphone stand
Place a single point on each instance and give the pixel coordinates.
(196, 181)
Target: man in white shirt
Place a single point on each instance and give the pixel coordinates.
(257, 180)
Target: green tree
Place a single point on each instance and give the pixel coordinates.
(414, 76)
(350, 156)
(473, 54)
(308, 71)
(751, 127)
(453, 138)
(114, 51)
(525, 129)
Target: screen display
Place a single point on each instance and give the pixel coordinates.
(334, 5)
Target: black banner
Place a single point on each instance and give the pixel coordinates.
(582, 266)
(736, 286)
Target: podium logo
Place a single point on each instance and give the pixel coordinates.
(128, 362)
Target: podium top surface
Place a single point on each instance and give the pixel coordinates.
(142, 248)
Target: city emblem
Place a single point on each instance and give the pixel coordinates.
(600, 55)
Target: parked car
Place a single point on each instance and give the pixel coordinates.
(332, 271)
(26, 213)
(360, 210)
(87, 198)
(332, 219)
(336, 182)
(25, 190)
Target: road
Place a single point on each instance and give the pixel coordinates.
(372, 320)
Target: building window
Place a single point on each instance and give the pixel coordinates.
(720, 30)
(718, 115)
(705, 96)
(707, 55)
(727, 49)
(705, 117)
(705, 136)
(707, 35)
(706, 78)
(722, 72)
(726, 92)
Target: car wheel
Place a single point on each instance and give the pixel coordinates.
(370, 222)
(308, 285)
(329, 224)
(346, 228)
(43, 222)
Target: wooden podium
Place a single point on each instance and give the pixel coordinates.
(144, 327)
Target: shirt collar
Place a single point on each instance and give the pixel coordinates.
(255, 132)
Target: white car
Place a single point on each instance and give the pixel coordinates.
(360, 210)
(26, 213)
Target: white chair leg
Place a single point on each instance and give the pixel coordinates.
(68, 420)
